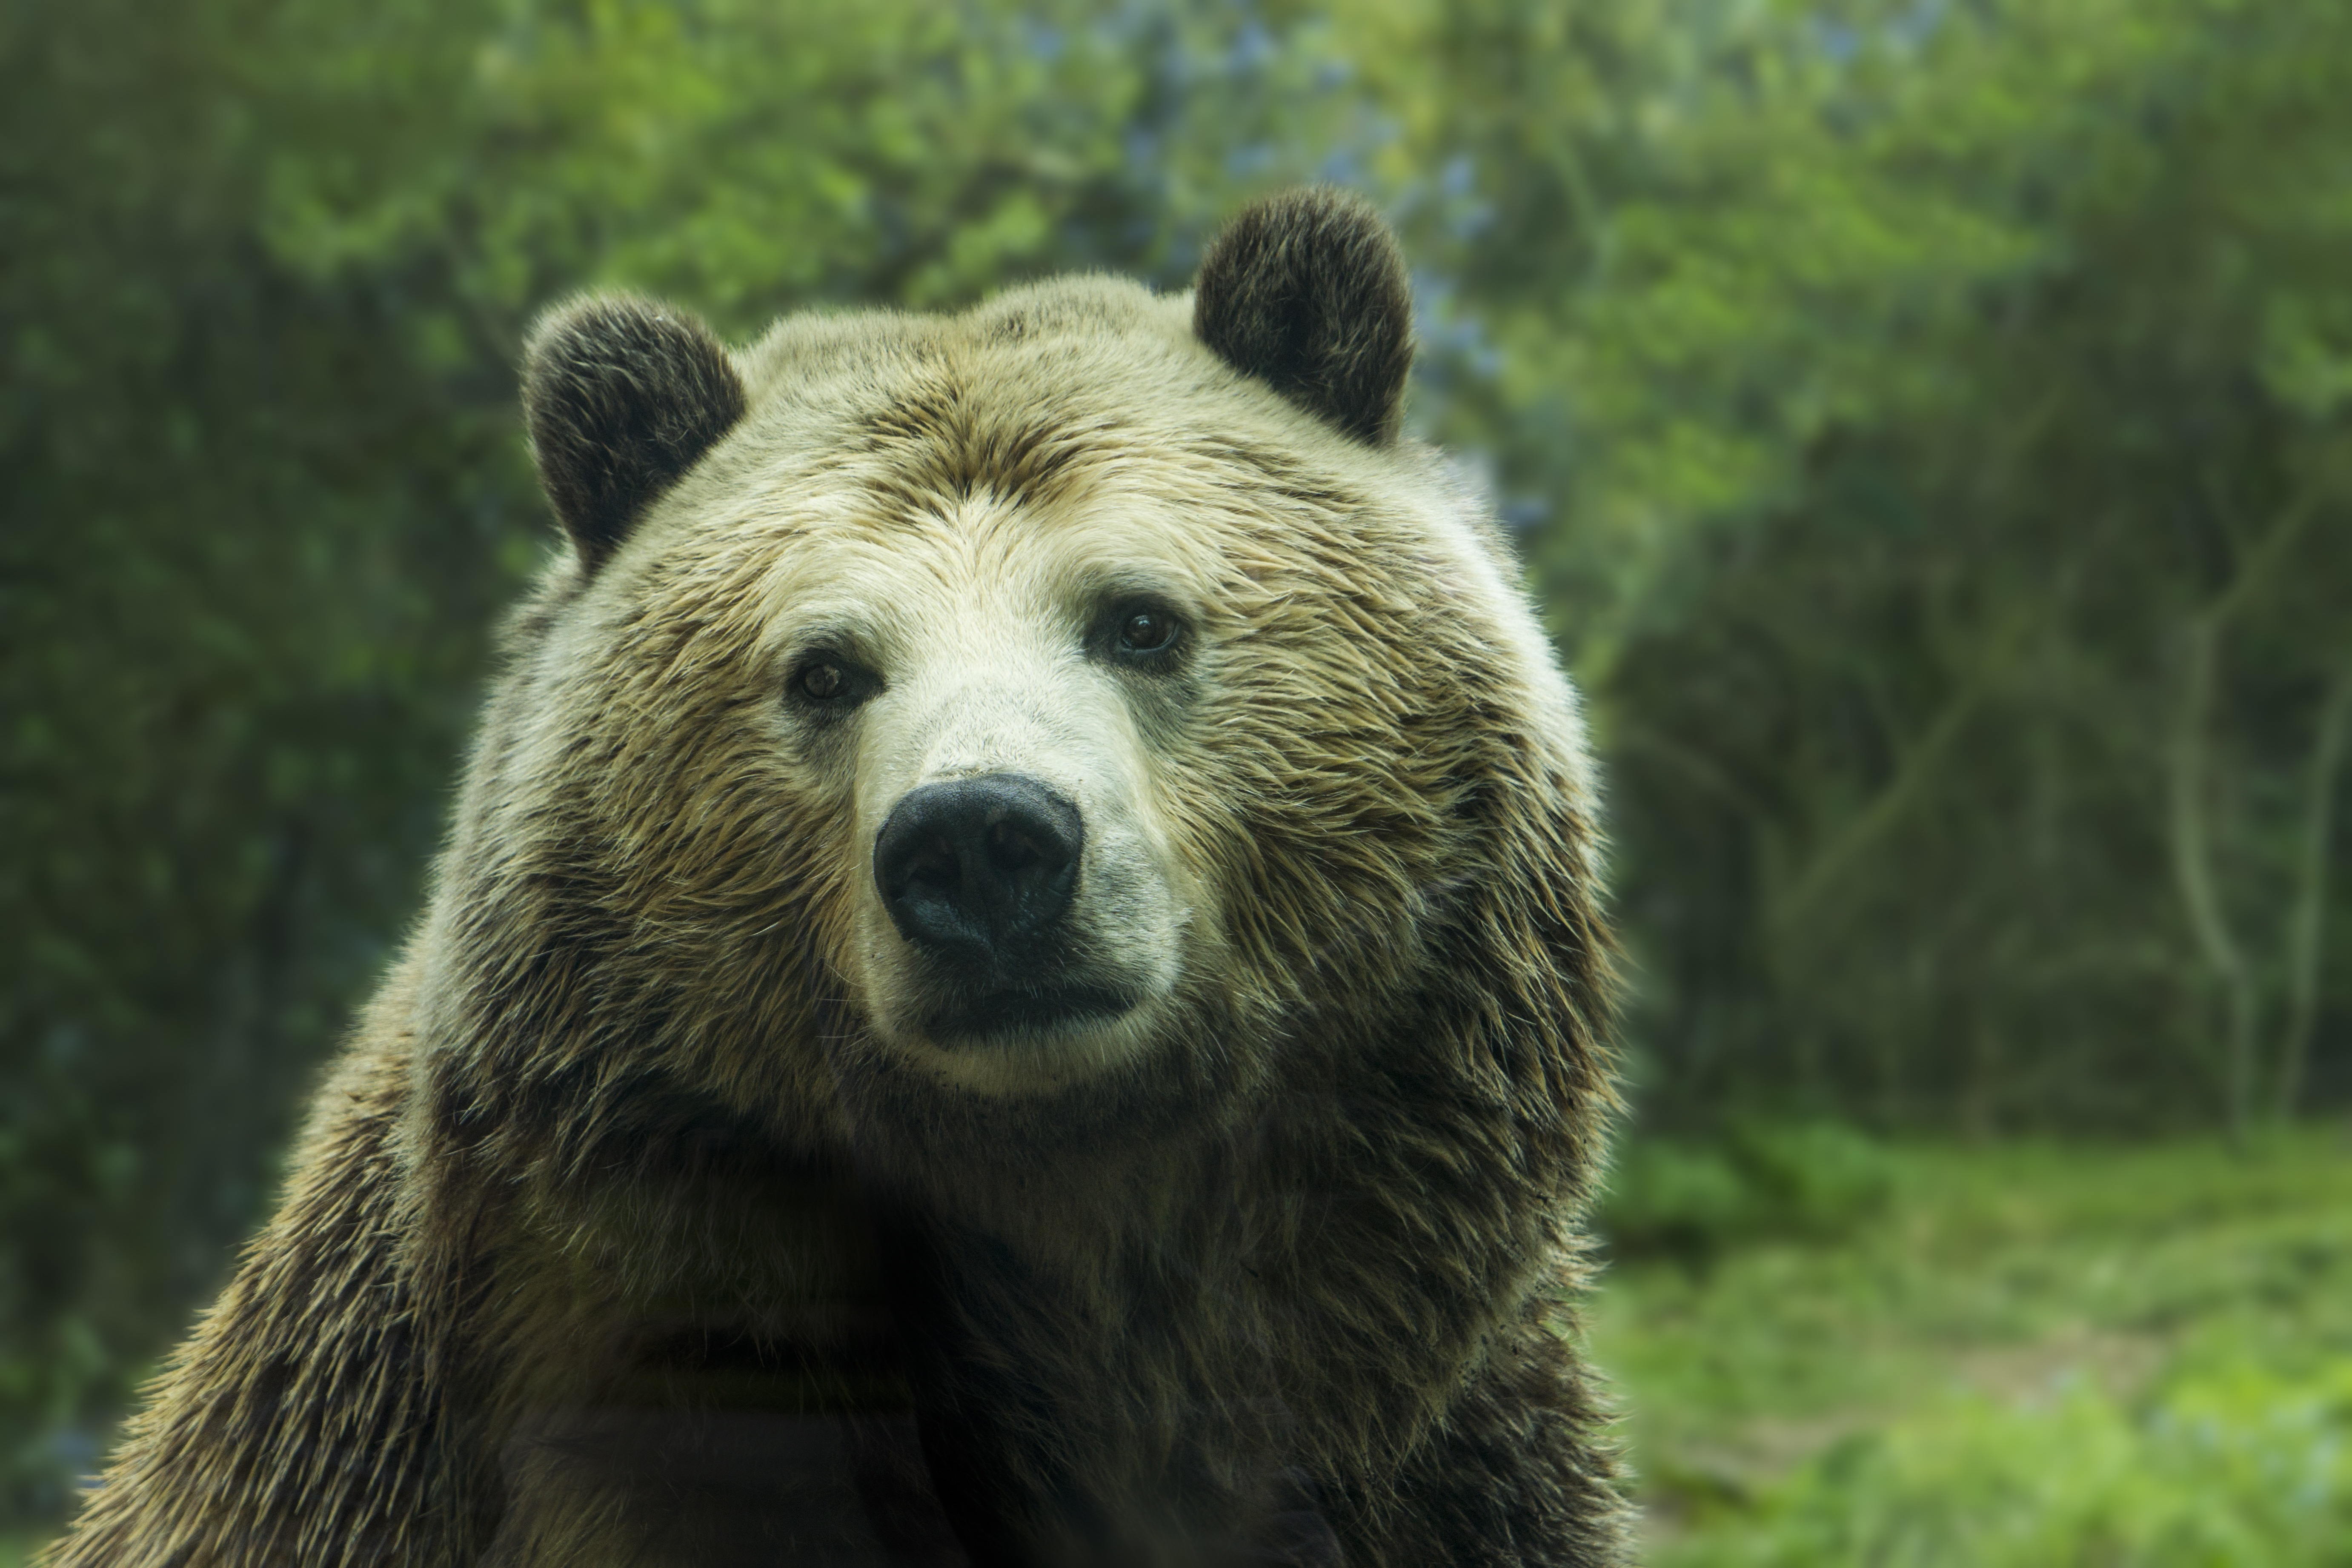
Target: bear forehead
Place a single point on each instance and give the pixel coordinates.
(1035, 397)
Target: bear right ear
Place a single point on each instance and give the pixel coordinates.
(1308, 289)
(622, 396)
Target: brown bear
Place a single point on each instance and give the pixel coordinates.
(1016, 979)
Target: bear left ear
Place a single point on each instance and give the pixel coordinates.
(622, 395)
(1308, 289)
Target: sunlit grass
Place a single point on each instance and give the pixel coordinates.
(2023, 1355)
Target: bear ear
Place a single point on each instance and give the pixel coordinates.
(1308, 289)
(622, 395)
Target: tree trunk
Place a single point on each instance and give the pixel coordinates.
(2192, 866)
(2305, 935)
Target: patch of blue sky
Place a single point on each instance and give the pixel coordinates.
(1043, 41)
(1905, 32)
(1252, 47)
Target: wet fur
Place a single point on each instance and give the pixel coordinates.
(619, 1221)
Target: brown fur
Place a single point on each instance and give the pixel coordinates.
(622, 397)
(631, 1228)
(1309, 292)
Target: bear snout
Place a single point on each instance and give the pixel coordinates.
(979, 871)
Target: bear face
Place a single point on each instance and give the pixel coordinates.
(1065, 709)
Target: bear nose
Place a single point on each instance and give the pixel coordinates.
(979, 867)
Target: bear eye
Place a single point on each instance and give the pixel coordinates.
(828, 683)
(1146, 631)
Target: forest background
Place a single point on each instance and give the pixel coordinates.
(1928, 426)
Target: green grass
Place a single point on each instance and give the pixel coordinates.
(2024, 1355)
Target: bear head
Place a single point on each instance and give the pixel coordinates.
(1037, 730)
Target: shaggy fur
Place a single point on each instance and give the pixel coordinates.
(620, 396)
(647, 1221)
(1309, 292)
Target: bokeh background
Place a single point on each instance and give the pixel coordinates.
(1928, 428)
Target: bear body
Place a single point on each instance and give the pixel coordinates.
(1016, 979)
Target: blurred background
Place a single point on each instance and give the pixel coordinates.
(1928, 427)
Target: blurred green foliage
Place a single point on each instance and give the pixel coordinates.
(2039, 1355)
(1692, 1199)
(1990, 690)
(1928, 423)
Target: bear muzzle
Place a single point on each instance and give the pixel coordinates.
(978, 874)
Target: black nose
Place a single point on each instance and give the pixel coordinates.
(979, 868)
